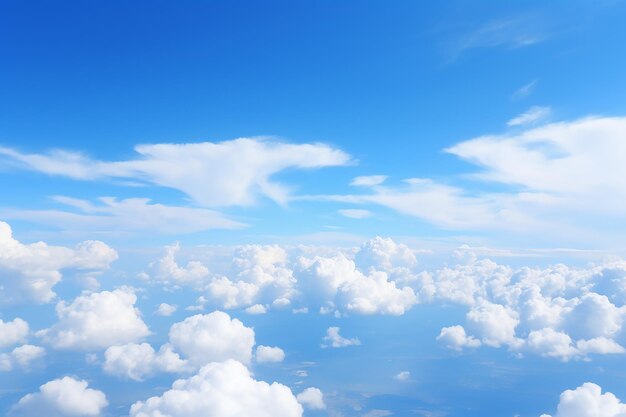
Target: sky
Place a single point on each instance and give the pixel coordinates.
(313, 208)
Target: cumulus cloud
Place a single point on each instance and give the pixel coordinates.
(233, 172)
(96, 321)
(13, 332)
(454, 337)
(269, 354)
(139, 361)
(335, 340)
(312, 399)
(403, 376)
(256, 309)
(62, 397)
(21, 357)
(212, 337)
(551, 312)
(28, 272)
(221, 390)
(589, 401)
(165, 309)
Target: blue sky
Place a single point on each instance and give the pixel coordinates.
(443, 182)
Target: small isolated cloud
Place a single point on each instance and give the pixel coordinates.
(221, 390)
(256, 309)
(454, 337)
(269, 354)
(531, 116)
(525, 90)
(589, 401)
(62, 398)
(356, 213)
(312, 399)
(165, 310)
(403, 376)
(368, 180)
(335, 340)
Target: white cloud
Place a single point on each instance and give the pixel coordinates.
(28, 272)
(312, 399)
(221, 390)
(454, 337)
(139, 361)
(269, 354)
(356, 213)
(335, 340)
(165, 309)
(494, 323)
(21, 357)
(111, 216)
(212, 337)
(589, 401)
(13, 332)
(375, 294)
(62, 397)
(96, 321)
(368, 180)
(233, 172)
(256, 309)
(403, 376)
(531, 116)
(384, 254)
(167, 270)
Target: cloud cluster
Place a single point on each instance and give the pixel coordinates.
(22, 357)
(559, 312)
(28, 272)
(193, 343)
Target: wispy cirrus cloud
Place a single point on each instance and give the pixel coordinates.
(214, 174)
(508, 33)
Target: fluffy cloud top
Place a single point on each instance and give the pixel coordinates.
(96, 321)
(312, 398)
(335, 340)
(221, 390)
(28, 272)
(65, 397)
(138, 361)
(269, 354)
(589, 401)
(21, 357)
(13, 332)
(212, 337)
